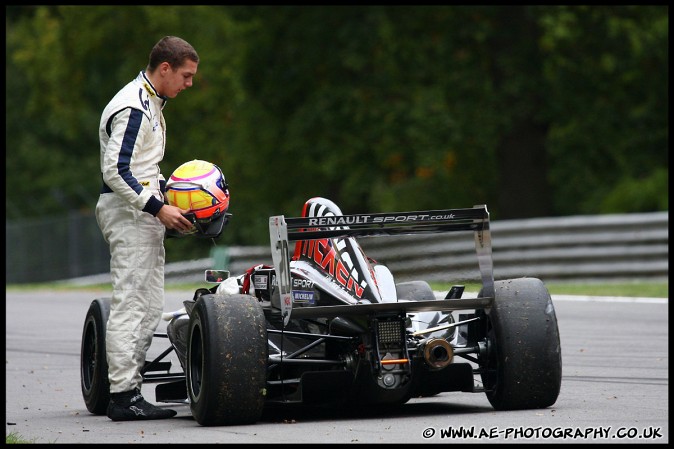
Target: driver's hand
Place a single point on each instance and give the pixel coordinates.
(172, 218)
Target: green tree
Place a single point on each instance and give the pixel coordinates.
(608, 78)
(532, 110)
(65, 63)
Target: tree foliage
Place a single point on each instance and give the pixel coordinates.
(533, 110)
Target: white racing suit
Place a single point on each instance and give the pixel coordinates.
(132, 138)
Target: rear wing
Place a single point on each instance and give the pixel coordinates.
(283, 230)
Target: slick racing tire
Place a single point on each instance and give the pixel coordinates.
(523, 364)
(415, 291)
(93, 362)
(227, 360)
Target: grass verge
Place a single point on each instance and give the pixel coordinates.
(643, 289)
(15, 438)
(623, 289)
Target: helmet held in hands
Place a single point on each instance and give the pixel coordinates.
(200, 187)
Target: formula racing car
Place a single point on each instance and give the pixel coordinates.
(328, 324)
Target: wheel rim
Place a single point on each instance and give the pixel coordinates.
(196, 362)
(490, 365)
(89, 356)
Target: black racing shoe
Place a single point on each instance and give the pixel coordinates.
(131, 406)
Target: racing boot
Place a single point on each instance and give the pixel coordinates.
(131, 406)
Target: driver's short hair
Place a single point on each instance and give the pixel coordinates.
(173, 50)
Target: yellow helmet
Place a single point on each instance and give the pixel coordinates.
(200, 187)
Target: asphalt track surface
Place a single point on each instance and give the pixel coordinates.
(614, 387)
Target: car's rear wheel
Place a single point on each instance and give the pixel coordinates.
(227, 360)
(522, 367)
(93, 363)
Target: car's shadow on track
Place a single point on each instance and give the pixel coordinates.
(305, 413)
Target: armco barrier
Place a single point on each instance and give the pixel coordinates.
(575, 248)
(629, 246)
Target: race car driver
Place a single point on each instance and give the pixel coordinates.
(133, 218)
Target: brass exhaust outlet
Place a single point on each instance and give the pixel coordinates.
(438, 353)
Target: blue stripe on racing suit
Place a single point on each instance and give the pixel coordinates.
(125, 153)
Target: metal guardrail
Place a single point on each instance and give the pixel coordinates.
(576, 248)
(629, 246)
